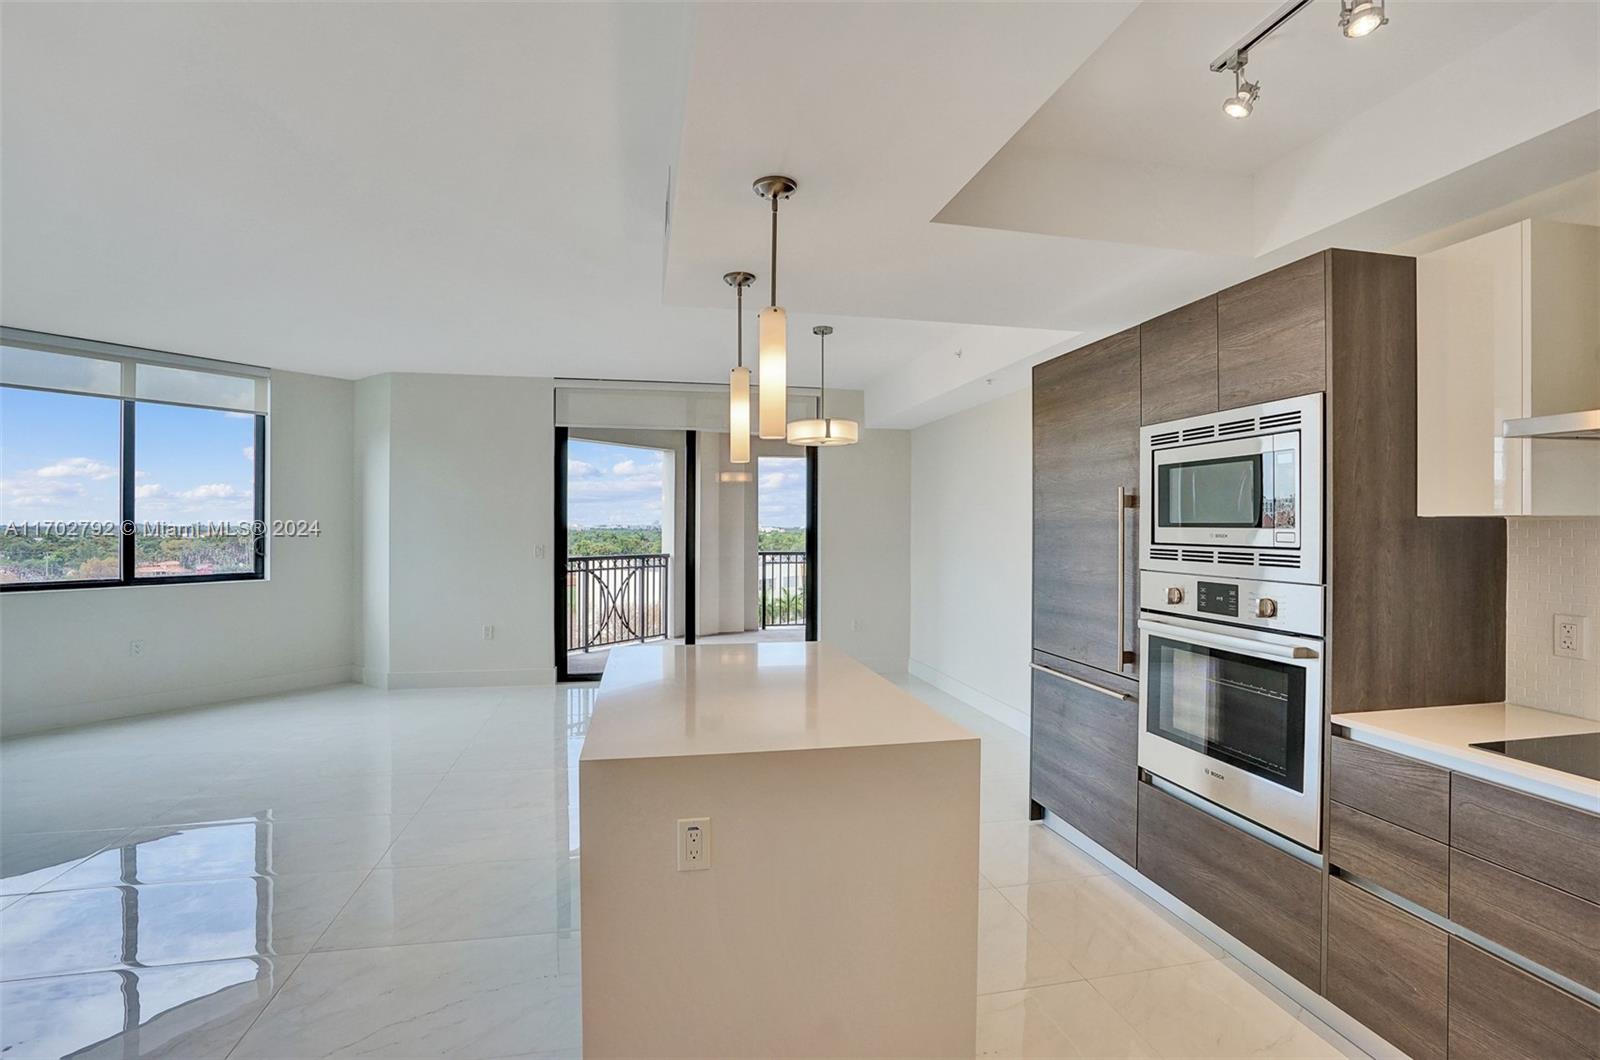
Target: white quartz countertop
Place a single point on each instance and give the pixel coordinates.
(670, 701)
(1444, 735)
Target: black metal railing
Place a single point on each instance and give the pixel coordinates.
(616, 599)
(783, 589)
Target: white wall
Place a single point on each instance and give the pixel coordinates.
(467, 534)
(971, 555)
(1552, 568)
(864, 525)
(64, 655)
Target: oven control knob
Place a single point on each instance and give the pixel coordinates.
(1174, 595)
(1266, 607)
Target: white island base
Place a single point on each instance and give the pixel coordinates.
(838, 912)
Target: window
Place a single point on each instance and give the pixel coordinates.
(127, 467)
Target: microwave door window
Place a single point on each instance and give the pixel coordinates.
(1214, 493)
(1237, 709)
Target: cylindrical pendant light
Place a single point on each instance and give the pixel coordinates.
(822, 430)
(739, 380)
(774, 328)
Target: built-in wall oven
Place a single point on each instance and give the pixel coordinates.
(1236, 493)
(1232, 711)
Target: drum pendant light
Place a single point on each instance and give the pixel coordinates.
(739, 380)
(822, 430)
(774, 328)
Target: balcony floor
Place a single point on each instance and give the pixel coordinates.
(594, 662)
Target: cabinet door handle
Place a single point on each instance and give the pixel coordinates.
(1125, 501)
(1090, 685)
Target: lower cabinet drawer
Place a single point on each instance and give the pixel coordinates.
(1397, 859)
(1389, 970)
(1085, 763)
(1498, 1012)
(1546, 925)
(1268, 900)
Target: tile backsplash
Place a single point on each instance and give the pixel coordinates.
(1552, 568)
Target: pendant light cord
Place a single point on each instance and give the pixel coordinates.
(738, 319)
(822, 383)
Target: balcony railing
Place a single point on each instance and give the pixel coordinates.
(783, 589)
(616, 599)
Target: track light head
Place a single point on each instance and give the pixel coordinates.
(1243, 100)
(1357, 18)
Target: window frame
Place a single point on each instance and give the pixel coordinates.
(128, 447)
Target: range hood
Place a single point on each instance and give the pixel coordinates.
(1581, 425)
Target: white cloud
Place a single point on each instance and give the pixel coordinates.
(625, 467)
(153, 489)
(212, 491)
(78, 467)
(250, 453)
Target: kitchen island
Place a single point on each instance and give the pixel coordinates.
(780, 858)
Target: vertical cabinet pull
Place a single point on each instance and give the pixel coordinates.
(1125, 501)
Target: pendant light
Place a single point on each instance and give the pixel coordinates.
(739, 379)
(823, 431)
(774, 327)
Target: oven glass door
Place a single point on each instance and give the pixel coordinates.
(1239, 709)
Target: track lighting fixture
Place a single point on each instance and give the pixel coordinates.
(739, 379)
(1357, 18)
(1243, 100)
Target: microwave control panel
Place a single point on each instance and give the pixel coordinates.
(1285, 606)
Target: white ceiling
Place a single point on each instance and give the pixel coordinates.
(359, 188)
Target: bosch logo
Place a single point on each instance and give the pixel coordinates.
(1214, 774)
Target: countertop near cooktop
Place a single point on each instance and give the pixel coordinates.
(1444, 735)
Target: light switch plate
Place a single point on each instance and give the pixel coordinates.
(1571, 636)
(694, 844)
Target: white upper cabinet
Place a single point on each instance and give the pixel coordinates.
(1508, 325)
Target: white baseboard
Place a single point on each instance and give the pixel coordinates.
(539, 675)
(1289, 990)
(15, 721)
(997, 709)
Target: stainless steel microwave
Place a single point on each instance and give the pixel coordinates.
(1237, 493)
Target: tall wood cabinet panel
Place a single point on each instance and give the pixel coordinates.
(1271, 338)
(1388, 969)
(1417, 605)
(1178, 363)
(1086, 447)
(1085, 768)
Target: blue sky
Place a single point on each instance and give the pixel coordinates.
(619, 485)
(59, 458)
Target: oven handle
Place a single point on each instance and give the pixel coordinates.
(1244, 645)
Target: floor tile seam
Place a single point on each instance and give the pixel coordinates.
(94, 853)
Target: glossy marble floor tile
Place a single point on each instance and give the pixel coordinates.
(182, 1012)
(349, 872)
(477, 999)
(1107, 927)
(1018, 852)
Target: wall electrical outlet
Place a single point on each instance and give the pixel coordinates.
(488, 633)
(694, 843)
(1571, 636)
(136, 648)
(538, 552)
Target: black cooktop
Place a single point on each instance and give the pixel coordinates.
(1578, 753)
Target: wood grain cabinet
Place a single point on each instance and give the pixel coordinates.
(1267, 899)
(1085, 759)
(1394, 788)
(1388, 969)
(1178, 363)
(1544, 924)
(1498, 1012)
(1086, 449)
(1543, 840)
(1397, 859)
(1271, 335)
